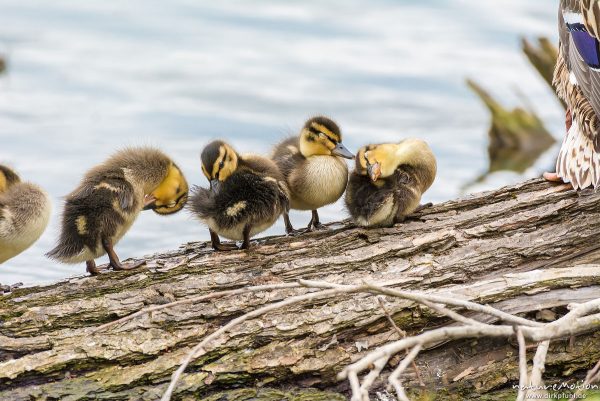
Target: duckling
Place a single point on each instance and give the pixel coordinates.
(313, 168)
(388, 182)
(24, 214)
(99, 212)
(247, 195)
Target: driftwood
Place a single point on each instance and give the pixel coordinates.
(543, 57)
(517, 137)
(529, 250)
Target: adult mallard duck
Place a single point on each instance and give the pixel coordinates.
(24, 213)
(388, 182)
(314, 168)
(247, 195)
(103, 207)
(577, 81)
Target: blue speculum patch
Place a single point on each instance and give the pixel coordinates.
(586, 44)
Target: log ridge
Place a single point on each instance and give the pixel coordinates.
(529, 249)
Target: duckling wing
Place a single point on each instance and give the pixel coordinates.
(244, 198)
(364, 199)
(287, 156)
(108, 186)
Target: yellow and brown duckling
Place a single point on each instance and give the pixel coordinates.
(314, 168)
(247, 195)
(24, 213)
(388, 182)
(103, 207)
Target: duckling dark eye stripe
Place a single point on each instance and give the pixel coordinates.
(319, 128)
(317, 132)
(218, 160)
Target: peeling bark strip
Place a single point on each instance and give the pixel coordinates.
(521, 249)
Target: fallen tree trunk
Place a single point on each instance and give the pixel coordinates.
(529, 250)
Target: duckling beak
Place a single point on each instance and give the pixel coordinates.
(149, 202)
(374, 171)
(215, 185)
(341, 151)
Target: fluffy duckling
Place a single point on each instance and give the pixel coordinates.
(388, 182)
(24, 214)
(103, 207)
(247, 195)
(313, 167)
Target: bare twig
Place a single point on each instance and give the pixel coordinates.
(539, 362)
(202, 347)
(522, 365)
(394, 378)
(472, 306)
(402, 334)
(371, 377)
(544, 332)
(535, 378)
(376, 360)
(451, 314)
(592, 376)
(428, 337)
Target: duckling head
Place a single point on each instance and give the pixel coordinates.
(381, 161)
(171, 195)
(219, 161)
(378, 161)
(7, 178)
(321, 136)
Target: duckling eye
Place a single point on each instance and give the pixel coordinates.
(222, 164)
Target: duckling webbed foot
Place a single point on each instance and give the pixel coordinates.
(422, 207)
(114, 261)
(314, 223)
(246, 243)
(289, 229)
(217, 245)
(92, 268)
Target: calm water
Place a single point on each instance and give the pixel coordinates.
(88, 77)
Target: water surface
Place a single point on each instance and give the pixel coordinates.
(88, 77)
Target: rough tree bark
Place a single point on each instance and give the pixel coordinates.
(525, 249)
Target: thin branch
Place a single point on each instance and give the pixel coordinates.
(592, 376)
(402, 334)
(535, 389)
(472, 306)
(394, 378)
(522, 365)
(202, 347)
(529, 329)
(371, 377)
(451, 314)
(539, 362)
(428, 337)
